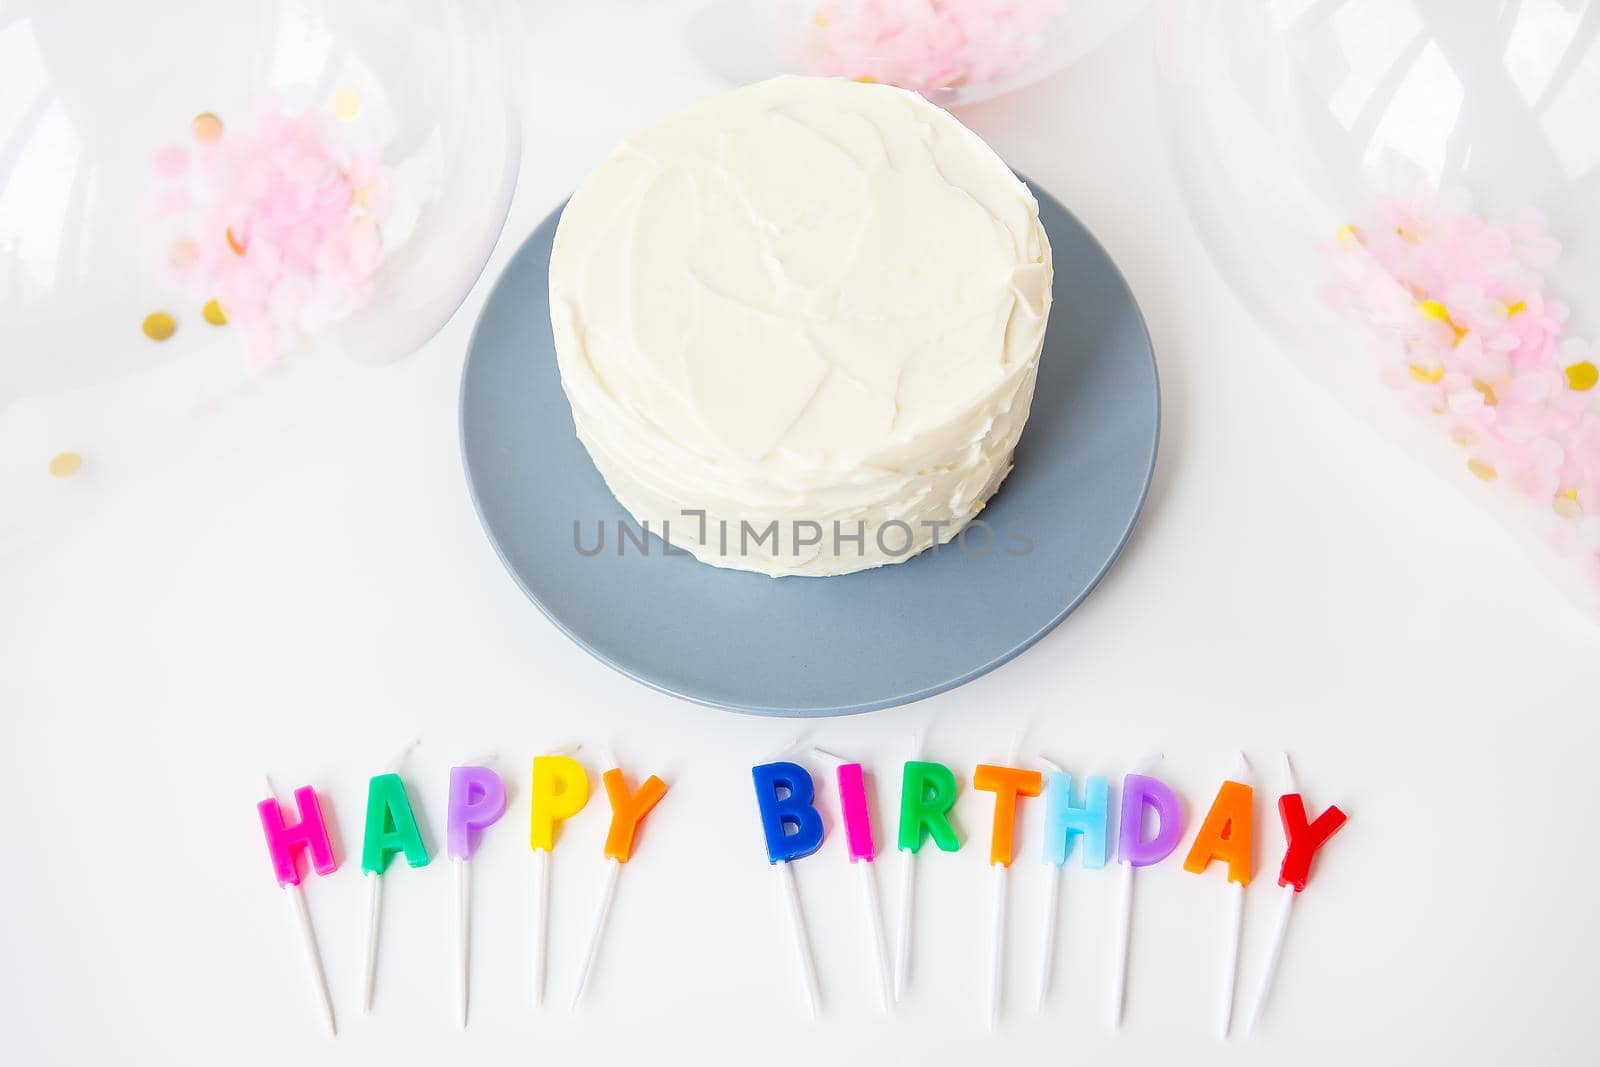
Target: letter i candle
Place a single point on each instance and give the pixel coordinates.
(793, 830)
(1303, 840)
(857, 818)
(284, 841)
(477, 800)
(628, 810)
(559, 790)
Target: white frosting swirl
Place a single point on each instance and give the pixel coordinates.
(807, 301)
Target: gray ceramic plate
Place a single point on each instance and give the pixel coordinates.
(820, 646)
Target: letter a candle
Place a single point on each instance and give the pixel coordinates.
(283, 843)
(1225, 835)
(559, 789)
(793, 830)
(628, 810)
(477, 800)
(391, 828)
(1303, 841)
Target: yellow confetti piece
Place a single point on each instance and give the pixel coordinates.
(1489, 397)
(206, 127)
(345, 104)
(158, 325)
(1581, 376)
(866, 79)
(1426, 374)
(213, 313)
(1566, 504)
(1434, 310)
(65, 464)
(1516, 307)
(233, 242)
(1349, 235)
(1482, 470)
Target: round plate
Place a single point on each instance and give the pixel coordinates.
(820, 646)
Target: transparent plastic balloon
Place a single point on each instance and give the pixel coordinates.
(1408, 193)
(954, 52)
(194, 192)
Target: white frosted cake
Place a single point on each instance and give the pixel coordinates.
(799, 324)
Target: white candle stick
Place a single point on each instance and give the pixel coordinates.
(541, 905)
(1280, 928)
(997, 955)
(308, 938)
(1124, 934)
(613, 872)
(1051, 910)
(1235, 926)
(908, 896)
(797, 926)
(463, 938)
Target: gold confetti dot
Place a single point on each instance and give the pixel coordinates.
(213, 313)
(233, 242)
(1426, 374)
(158, 325)
(1434, 310)
(1482, 470)
(1516, 307)
(1489, 397)
(206, 127)
(345, 104)
(866, 79)
(1349, 235)
(1584, 375)
(65, 464)
(1566, 504)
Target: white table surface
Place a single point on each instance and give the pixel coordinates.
(308, 586)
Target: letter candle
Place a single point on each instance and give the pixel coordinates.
(477, 800)
(927, 793)
(1139, 791)
(793, 830)
(1008, 784)
(558, 790)
(857, 818)
(1303, 841)
(1061, 822)
(283, 842)
(1226, 835)
(391, 828)
(627, 812)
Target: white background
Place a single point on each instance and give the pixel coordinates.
(308, 587)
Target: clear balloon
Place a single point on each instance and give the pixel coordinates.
(191, 192)
(1408, 193)
(954, 52)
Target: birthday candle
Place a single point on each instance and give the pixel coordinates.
(1139, 792)
(391, 828)
(559, 790)
(1304, 839)
(793, 830)
(1062, 823)
(477, 800)
(927, 793)
(1007, 784)
(1225, 835)
(857, 820)
(284, 841)
(628, 810)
